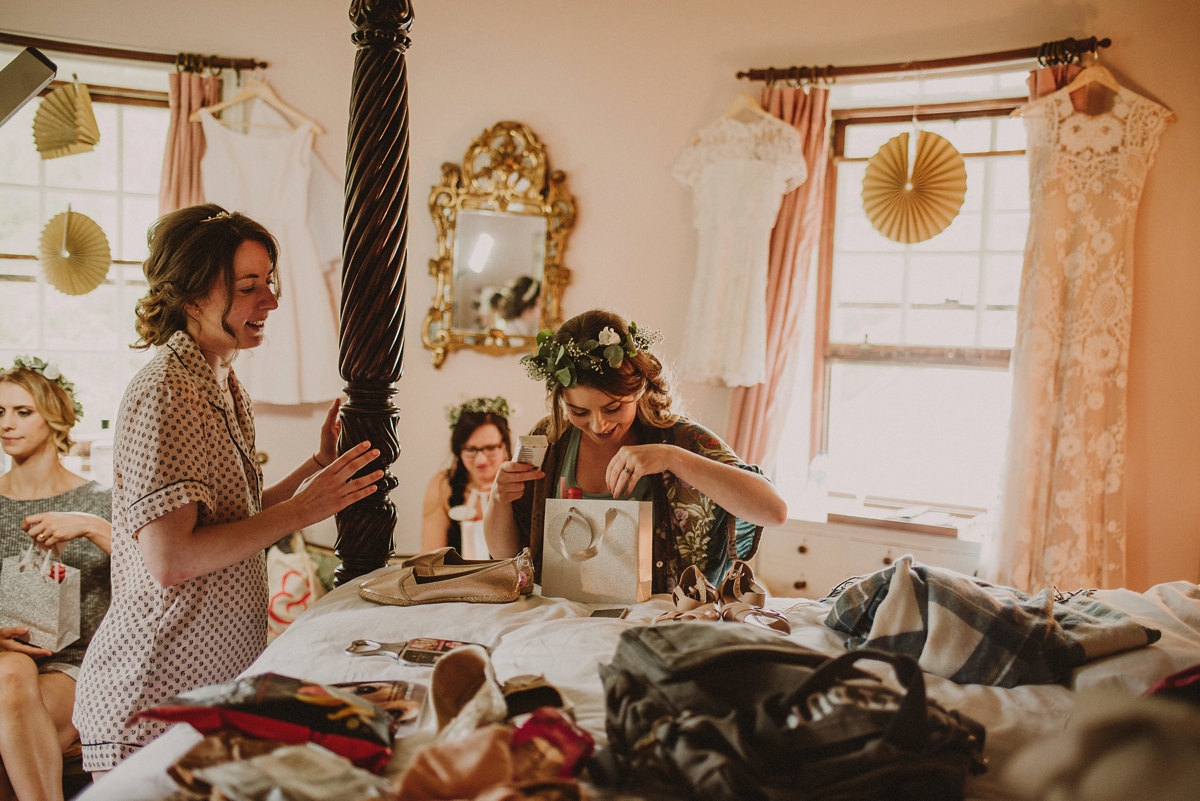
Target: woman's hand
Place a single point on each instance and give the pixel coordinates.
(330, 430)
(632, 462)
(511, 479)
(332, 489)
(9, 642)
(56, 529)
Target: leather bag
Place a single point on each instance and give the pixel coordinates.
(721, 712)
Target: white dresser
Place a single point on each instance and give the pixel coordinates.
(805, 559)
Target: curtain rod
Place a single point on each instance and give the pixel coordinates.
(180, 60)
(1061, 52)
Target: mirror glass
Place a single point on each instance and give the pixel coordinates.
(498, 272)
(502, 220)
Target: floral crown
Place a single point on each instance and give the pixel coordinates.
(50, 371)
(497, 406)
(561, 362)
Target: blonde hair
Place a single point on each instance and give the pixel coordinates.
(642, 372)
(51, 400)
(190, 251)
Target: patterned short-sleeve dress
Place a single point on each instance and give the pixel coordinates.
(176, 442)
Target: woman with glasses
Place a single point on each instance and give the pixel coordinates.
(457, 497)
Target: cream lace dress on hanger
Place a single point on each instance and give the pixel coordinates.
(271, 178)
(739, 173)
(1063, 517)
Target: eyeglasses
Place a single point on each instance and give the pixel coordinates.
(487, 450)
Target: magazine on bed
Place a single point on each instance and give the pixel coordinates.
(403, 700)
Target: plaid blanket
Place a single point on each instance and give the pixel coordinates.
(972, 632)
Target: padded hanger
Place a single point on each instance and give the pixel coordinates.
(261, 90)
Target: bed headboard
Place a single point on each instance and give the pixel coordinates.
(374, 262)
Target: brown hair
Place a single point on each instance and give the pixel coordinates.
(51, 400)
(190, 251)
(642, 372)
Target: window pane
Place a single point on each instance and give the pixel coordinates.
(1010, 134)
(1002, 278)
(1010, 183)
(961, 234)
(945, 327)
(863, 140)
(855, 232)
(140, 211)
(83, 322)
(19, 322)
(877, 326)
(919, 433)
(968, 136)
(976, 172)
(1008, 230)
(19, 227)
(999, 329)
(18, 155)
(942, 277)
(850, 178)
(145, 132)
(868, 278)
(94, 170)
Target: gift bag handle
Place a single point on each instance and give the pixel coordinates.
(595, 539)
(29, 559)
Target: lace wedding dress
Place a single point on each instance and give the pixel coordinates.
(738, 173)
(1063, 516)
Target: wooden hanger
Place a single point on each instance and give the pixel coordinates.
(261, 90)
(748, 102)
(1093, 74)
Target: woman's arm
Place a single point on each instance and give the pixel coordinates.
(286, 488)
(175, 549)
(435, 520)
(56, 529)
(499, 526)
(745, 495)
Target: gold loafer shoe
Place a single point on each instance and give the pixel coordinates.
(448, 561)
(499, 583)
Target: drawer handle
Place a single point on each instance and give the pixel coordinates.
(800, 585)
(802, 549)
(887, 560)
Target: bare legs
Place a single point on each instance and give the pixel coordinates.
(35, 727)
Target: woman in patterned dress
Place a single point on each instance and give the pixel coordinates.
(613, 434)
(42, 500)
(190, 515)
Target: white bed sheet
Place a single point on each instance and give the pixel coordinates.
(556, 638)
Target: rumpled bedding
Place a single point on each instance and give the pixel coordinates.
(972, 632)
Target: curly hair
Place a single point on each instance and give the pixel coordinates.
(468, 423)
(190, 251)
(51, 400)
(641, 373)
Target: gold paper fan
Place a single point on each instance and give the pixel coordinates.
(65, 123)
(914, 208)
(74, 253)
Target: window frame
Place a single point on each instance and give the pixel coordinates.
(826, 353)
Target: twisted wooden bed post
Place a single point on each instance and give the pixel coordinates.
(374, 260)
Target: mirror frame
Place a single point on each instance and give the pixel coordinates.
(504, 170)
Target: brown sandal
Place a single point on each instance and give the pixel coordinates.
(756, 616)
(695, 598)
(739, 586)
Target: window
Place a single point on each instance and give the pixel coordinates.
(117, 186)
(910, 387)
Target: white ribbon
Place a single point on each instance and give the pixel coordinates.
(595, 539)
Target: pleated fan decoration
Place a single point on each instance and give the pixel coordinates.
(911, 207)
(74, 253)
(65, 123)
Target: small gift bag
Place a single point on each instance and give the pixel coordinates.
(598, 551)
(293, 583)
(42, 594)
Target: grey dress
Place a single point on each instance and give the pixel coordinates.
(95, 585)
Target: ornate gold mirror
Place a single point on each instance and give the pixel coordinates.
(502, 223)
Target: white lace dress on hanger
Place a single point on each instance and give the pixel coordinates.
(739, 173)
(272, 178)
(1063, 517)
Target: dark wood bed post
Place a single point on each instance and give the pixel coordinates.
(374, 261)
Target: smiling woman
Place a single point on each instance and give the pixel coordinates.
(614, 435)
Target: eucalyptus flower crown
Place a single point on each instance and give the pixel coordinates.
(562, 362)
(497, 406)
(50, 372)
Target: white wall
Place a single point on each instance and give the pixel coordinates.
(615, 90)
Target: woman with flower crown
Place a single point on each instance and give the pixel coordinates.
(457, 497)
(191, 517)
(44, 503)
(614, 434)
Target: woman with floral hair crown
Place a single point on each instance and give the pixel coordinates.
(43, 503)
(614, 434)
(457, 497)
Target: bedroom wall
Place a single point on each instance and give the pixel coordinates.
(615, 90)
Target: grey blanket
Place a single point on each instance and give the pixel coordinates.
(972, 632)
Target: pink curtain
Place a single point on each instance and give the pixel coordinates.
(756, 414)
(180, 184)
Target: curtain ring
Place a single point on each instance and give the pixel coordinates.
(213, 69)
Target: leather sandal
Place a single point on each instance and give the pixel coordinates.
(694, 597)
(447, 561)
(739, 586)
(756, 616)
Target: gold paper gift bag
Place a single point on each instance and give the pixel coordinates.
(598, 551)
(41, 594)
